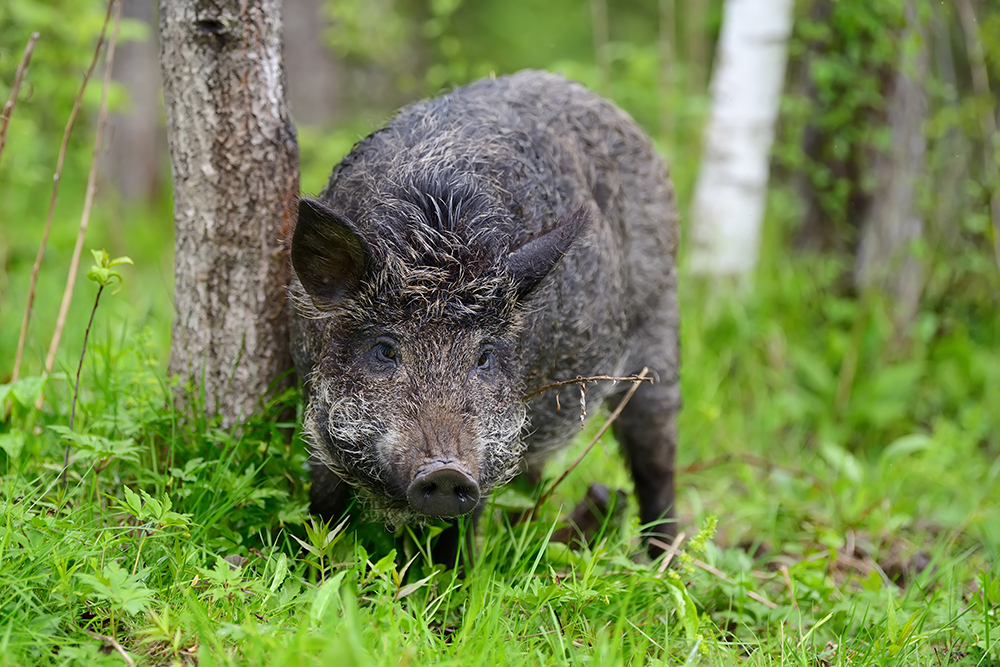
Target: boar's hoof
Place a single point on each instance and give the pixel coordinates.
(443, 491)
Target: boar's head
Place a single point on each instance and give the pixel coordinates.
(415, 394)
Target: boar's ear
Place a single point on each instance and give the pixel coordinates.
(327, 255)
(533, 261)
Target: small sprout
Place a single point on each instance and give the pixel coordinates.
(103, 273)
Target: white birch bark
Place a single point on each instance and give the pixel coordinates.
(731, 189)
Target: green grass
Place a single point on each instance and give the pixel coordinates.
(858, 510)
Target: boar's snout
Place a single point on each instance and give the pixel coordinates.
(443, 490)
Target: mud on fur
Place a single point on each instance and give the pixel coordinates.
(512, 233)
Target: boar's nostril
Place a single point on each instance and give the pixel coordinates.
(443, 491)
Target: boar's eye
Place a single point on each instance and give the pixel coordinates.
(385, 352)
(486, 361)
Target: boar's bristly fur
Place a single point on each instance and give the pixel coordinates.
(512, 233)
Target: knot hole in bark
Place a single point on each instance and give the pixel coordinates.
(212, 28)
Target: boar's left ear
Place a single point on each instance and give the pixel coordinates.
(327, 254)
(533, 261)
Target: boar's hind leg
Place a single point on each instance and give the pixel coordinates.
(647, 431)
(329, 497)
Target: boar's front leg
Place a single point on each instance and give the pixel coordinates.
(647, 432)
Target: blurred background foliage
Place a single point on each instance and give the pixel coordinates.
(838, 367)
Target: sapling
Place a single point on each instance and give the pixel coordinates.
(103, 273)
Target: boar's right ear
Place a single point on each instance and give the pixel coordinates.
(530, 263)
(327, 255)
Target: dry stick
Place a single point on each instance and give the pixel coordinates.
(52, 201)
(722, 575)
(670, 550)
(88, 203)
(987, 123)
(636, 381)
(788, 584)
(579, 379)
(8, 109)
(114, 644)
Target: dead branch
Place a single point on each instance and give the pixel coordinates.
(89, 201)
(113, 643)
(669, 551)
(722, 575)
(8, 109)
(55, 194)
(636, 381)
(579, 379)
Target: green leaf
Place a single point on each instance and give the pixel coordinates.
(134, 503)
(842, 461)
(12, 442)
(409, 589)
(96, 446)
(686, 610)
(27, 390)
(326, 594)
(280, 572)
(906, 445)
(122, 590)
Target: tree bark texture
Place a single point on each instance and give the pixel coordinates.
(731, 190)
(893, 223)
(235, 168)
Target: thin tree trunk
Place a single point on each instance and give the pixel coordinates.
(235, 168)
(885, 259)
(746, 90)
(134, 162)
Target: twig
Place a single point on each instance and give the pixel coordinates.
(722, 575)
(88, 202)
(52, 201)
(987, 123)
(76, 387)
(636, 381)
(788, 584)
(114, 644)
(749, 459)
(8, 109)
(579, 379)
(669, 551)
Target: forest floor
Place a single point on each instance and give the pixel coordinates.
(838, 495)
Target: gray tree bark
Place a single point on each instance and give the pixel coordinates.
(235, 168)
(134, 162)
(315, 76)
(893, 224)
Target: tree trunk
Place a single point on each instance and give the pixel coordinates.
(746, 90)
(134, 161)
(235, 168)
(315, 76)
(885, 259)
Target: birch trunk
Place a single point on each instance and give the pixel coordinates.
(731, 189)
(235, 168)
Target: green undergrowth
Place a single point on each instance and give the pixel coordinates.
(850, 473)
